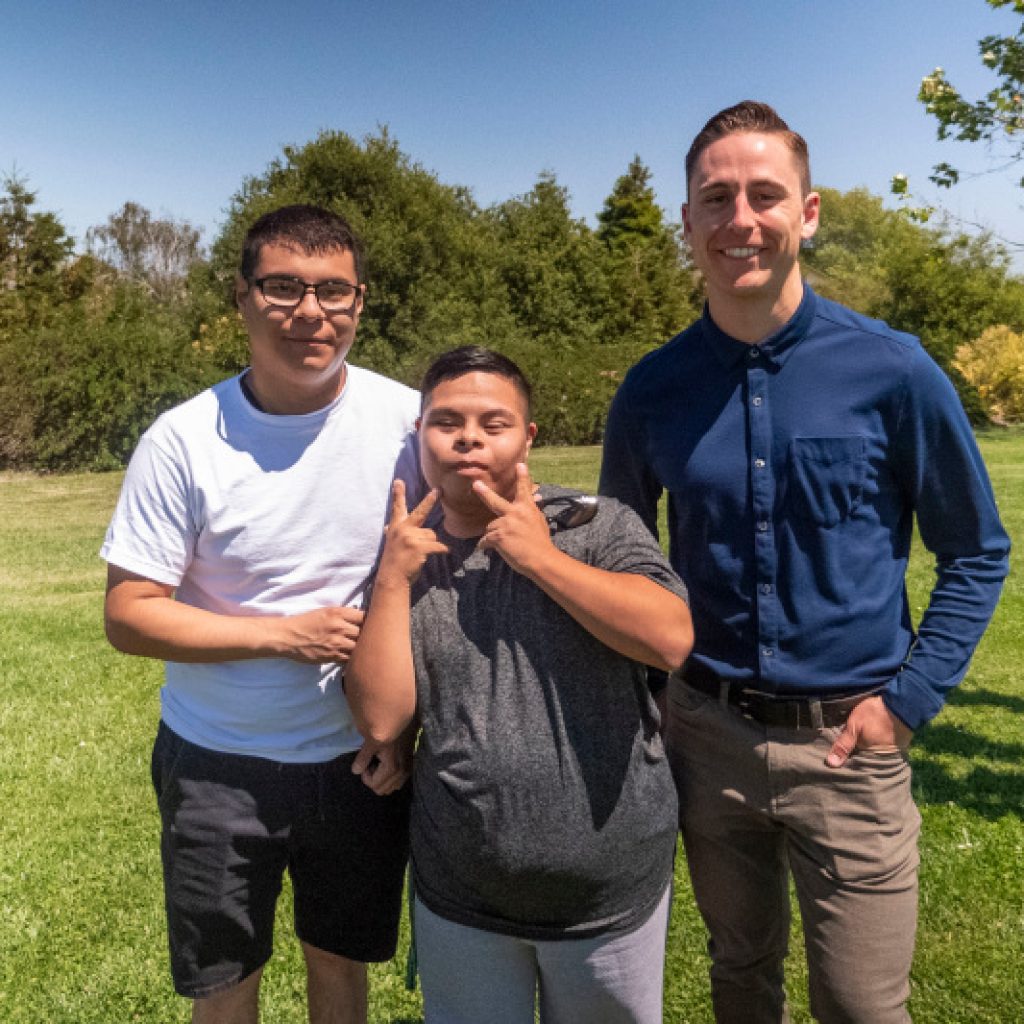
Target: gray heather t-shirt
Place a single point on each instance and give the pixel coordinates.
(543, 805)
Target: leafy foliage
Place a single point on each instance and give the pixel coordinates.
(88, 355)
(94, 346)
(524, 276)
(35, 251)
(655, 289)
(994, 365)
(942, 285)
(998, 117)
(429, 283)
(78, 390)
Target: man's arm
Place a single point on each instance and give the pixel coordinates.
(627, 612)
(945, 481)
(624, 474)
(380, 682)
(142, 617)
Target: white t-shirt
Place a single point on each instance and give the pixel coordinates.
(245, 513)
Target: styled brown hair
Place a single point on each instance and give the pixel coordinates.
(749, 116)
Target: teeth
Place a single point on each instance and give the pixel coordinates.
(745, 253)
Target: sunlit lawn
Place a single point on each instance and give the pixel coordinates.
(81, 920)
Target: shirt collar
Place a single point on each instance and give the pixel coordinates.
(775, 348)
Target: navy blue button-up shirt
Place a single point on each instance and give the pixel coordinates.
(794, 469)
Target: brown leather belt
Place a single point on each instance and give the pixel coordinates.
(787, 711)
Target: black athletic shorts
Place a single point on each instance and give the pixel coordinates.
(233, 824)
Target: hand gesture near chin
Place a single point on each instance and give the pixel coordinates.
(408, 543)
(518, 532)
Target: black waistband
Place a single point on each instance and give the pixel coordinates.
(792, 711)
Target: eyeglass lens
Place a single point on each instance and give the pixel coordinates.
(288, 291)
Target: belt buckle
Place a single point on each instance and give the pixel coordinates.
(745, 702)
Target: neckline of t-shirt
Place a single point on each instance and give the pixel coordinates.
(453, 541)
(291, 421)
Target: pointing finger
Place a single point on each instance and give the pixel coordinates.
(497, 504)
(524, 485)
(399, 510)
(422, 510)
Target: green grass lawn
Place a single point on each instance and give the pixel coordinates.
(81, 919)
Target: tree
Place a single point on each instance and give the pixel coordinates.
(156, 252)
(655, 289)
(35, 253)
(943, 285)
(997, 118)
(431, 277)
(80, 389)
(87, 358)
(847, 258)
(630, 214)
(550, 264)
(994, 364)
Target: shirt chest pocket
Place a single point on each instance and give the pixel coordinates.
(826, 478)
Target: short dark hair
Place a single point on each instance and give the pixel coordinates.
(310, 229)
(749, 116)
(457, 362)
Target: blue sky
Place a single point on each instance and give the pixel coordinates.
(172, 105)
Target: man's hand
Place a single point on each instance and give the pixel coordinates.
(871, 726)
(408, 543)
(320, 636)
(519, 532)
(385, 767)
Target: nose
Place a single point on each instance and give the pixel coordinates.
(468, 437)
(742, 213)
(309, 306)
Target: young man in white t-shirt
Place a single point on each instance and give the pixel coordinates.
(247, 526)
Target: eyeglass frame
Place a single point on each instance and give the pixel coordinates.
(307, 287)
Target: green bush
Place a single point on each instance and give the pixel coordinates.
(994, 365)
(78, 391)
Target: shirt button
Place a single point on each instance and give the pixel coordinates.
(758, 463)
(756, 399)
(754, 353)
(767, 652)
(762, 525)
(766, 588)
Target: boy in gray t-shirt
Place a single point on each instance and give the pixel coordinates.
(517, 635)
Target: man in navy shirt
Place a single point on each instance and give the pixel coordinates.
(797, 441)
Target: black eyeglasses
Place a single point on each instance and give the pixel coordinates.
(333, 296)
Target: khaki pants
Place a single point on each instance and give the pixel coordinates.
(758, 802)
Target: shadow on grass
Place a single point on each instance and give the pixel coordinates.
(986, 698)
(982, 789)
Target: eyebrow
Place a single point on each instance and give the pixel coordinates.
(729, 185)
(447, 410)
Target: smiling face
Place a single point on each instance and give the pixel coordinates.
(473, 427)
(298, 352)
(745, 218)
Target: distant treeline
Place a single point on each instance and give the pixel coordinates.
(97, 339)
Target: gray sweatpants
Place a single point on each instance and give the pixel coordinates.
(470, 976)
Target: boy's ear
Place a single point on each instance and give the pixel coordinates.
(241, 290)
